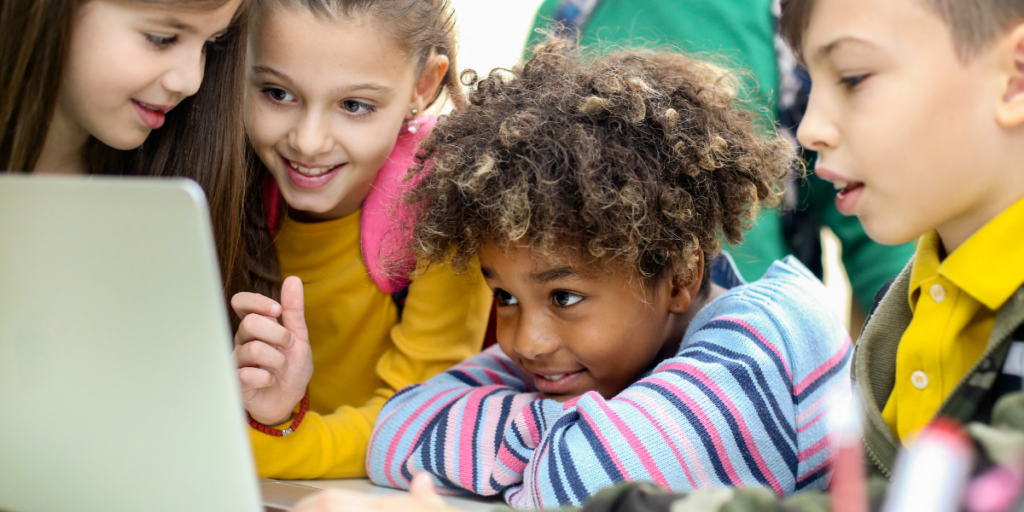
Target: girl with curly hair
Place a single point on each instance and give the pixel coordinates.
(595, 192)
(337, 91)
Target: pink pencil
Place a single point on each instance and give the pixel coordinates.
(932, 475)
(848, 487)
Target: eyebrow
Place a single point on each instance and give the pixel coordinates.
(174, 23)
(556, 274)
(271, 71)
(369, 86)
(825, 51)
(545, 276)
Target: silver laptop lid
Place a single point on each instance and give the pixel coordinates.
(117, 390)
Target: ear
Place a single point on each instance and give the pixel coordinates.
(682, 294)
(430, 80)
(1010, 112)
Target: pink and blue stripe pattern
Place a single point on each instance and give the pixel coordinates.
(743, 403)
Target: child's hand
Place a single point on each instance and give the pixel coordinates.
(274, 360)
(421, 498)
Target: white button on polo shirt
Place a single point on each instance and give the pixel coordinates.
(938, 293)
(919, 379)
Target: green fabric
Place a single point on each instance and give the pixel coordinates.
(736, 33)
(739, 34)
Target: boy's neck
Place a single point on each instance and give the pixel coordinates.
(680, 323)
(954, 232)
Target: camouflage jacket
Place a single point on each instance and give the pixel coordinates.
(989, 400)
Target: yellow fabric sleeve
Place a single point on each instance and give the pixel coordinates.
(443, 322)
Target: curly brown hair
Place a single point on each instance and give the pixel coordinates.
(641, 157)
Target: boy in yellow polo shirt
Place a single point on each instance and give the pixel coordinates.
(917, 115)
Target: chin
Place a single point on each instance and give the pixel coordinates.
(561, 398)
(126, 141)
(307, 205)
(889, 231)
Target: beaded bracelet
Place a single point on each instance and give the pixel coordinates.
(271, 431)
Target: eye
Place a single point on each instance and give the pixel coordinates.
(505, 298)
(357, 108)
(277, 94)
(853, 81)
(564, 299)
(159, 41)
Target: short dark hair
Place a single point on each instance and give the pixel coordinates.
(973, 24)
(641, 157)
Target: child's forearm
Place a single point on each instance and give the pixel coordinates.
(449, 426)
(683, 428)
(324, 446)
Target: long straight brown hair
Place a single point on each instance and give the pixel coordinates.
(203, 138)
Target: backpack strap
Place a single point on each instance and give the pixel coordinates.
(386, 225)
(272, 204)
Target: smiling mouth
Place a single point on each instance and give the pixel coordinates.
(557, 383)
(557, 376)
(312, 171)
(153, 108)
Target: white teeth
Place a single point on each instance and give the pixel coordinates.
(840, 185)
(310, 171)
(553, 377)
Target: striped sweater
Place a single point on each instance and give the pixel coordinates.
(741, 404)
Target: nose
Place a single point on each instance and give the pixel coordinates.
(534, 338)
(311, 136)
(186, 75)
(818, 131)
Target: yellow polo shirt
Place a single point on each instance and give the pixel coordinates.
(955, 302)
(362, 352)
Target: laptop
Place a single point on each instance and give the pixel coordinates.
(117, 386)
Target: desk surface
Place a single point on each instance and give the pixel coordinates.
(472, 504)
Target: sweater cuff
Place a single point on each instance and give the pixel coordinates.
(550, 410)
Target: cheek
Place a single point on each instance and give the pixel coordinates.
(368, 145)
(618, 347)
(105, 71)
(265, 126)
(909, 147)
(505, 331)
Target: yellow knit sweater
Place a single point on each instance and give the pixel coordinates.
(362, 354)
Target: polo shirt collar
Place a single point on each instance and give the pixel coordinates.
(926, 265)
(989, 266)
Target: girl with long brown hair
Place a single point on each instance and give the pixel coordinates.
(337, 91)
(139, 87)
